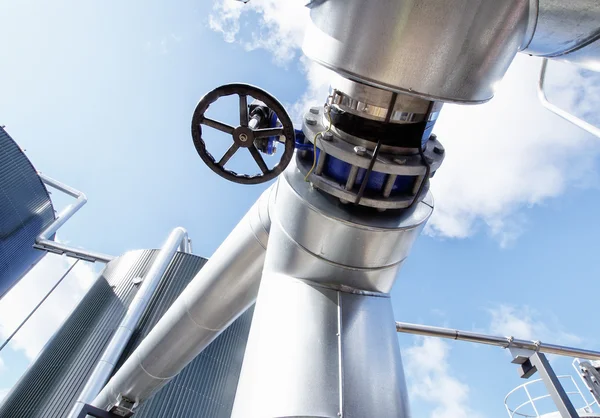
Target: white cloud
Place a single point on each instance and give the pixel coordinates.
(23, 297)
(526, 323)
(430, 379)
(502, 157)
(280, 26)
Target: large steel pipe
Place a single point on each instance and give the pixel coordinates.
(451, 50)
(566, 31)
(225, 287)
(321, 344)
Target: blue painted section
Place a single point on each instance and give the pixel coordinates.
(25, 210)
(340, 170)
(427, 133)
(272, 144)
(300, 145)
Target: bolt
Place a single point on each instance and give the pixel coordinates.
(433, 137)
(314, 110)
(311, 121)
(438, 150)
(358, 150)
(328, 136)
(243, 137)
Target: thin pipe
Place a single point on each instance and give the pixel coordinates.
(38, 305)
(129, 323)
(504, 342)
(43, 241)
(588, 127)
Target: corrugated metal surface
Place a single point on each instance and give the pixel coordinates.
(205, 388)
(25, 210)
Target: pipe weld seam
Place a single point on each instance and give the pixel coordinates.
(334, 263)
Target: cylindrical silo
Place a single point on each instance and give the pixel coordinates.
(205, 388)
(25, 211)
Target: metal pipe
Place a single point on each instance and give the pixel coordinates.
(588, 127)
(44, 241)
(504, 342)
(322, 341)
(122, 335)
(38, 305)
(221, 291)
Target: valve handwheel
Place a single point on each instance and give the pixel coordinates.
(243, 135)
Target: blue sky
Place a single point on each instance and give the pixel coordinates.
(101, 94)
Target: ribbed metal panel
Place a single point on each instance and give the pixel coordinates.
(205, 388)
(25, 210)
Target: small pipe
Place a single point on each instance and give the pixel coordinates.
(588, 127)
(122, 335)
(44, 241)
(38, 305)
(504, 342)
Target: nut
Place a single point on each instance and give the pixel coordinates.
(310, 120)
(358, 150)
(314, 110)
(327, 136)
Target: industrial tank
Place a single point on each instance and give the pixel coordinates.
(205, 387)
(25, 211)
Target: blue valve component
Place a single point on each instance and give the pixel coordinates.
(300, 144)
(340, 170)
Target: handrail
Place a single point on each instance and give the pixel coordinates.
(531, 401)
(586, 126)
(43, 241)
(504, 342)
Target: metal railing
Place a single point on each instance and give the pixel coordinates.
(43, 241)
(504, 342)
(586, 126)
(531, 401)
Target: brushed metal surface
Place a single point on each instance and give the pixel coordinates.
(329, 230)
(333, 354)
(452, 50)
(373, 376)
(290, 367)
(568, 31)
(322, 341)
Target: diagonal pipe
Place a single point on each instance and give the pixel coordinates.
(221, 291)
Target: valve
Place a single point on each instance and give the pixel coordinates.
(250, 133)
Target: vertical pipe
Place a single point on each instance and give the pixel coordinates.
(322, 341)
(225, 287)
(128, 324)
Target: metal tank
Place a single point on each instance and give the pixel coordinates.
(205, 387)
(25, 211)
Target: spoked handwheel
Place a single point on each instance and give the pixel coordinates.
(243, 135)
